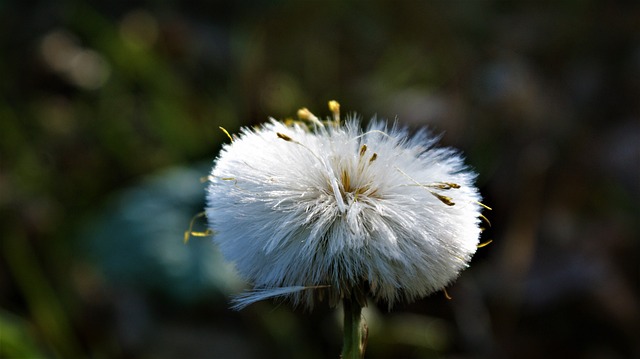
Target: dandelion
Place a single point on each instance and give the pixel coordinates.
(324, 210)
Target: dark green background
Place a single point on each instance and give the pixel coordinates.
(109, 115)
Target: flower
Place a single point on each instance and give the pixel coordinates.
(322, 210)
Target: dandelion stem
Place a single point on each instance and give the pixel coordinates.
(354, 330)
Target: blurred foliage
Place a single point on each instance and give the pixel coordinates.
(107, 110)
(134, 242)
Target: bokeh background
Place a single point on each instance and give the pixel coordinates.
(109, 116)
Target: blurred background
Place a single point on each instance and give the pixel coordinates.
(109, 115)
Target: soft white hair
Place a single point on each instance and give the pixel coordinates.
(332, 211)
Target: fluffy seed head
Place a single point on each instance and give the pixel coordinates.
(326, 210)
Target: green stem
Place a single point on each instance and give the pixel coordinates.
(354, 342)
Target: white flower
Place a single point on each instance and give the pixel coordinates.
(327, 211)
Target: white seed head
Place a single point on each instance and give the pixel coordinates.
(335, 211)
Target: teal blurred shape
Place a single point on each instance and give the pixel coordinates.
(137, 240)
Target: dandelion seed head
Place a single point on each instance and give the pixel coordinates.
(374, 212)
